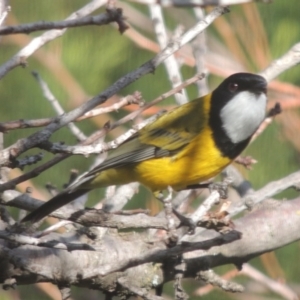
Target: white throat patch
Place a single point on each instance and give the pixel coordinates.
(243, 114)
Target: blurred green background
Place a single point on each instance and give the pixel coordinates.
(85, 61)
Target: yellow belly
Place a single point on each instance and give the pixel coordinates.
(199, 161)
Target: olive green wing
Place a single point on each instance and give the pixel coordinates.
(164, 137)
(175, 129)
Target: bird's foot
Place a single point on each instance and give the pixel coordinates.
(185, 221)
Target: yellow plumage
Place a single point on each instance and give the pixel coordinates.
(198, 160)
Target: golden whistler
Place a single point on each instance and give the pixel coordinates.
(183, 147)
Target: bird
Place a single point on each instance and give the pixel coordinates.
(185, 146)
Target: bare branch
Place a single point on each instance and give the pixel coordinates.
(4, 9)
(189, 35)
(199, 47)
(268, 227)
(154, 255)
(285, 62)
(274, 285)
(91, 217)
(26, 161)
(65, 292)
(57, 107)
(111, 15)
(171, 220)
(33, 173)
(207, 204)
(266, 192)
(195, 3)
(55, 244)
(121, 197)
(209, 276)
(260, 233)
(170, 63)
(135, 98)
(138, 291)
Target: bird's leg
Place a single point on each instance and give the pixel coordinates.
(171, 224)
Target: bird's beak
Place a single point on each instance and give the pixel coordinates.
(260, 88)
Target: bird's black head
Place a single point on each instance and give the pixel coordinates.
(238, 107)
(239, 82)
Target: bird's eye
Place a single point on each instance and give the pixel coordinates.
(232, 87)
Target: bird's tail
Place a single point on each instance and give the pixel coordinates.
(53, 204)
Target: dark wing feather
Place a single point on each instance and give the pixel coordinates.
(141, 153)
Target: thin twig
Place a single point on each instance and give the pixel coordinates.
(56, 106)
(205, 206)
(53, 228)
(142, 292)
(266, 192)
(26, 161)
(27, 240)
(65, 292)
(286, 61)
(4, 9)
(195, 3)
(111, 15)
(275, 286)
(209, 276)
(199, 47)
(170, 63)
